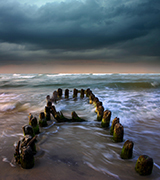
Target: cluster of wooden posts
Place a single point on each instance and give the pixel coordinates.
(26, 148)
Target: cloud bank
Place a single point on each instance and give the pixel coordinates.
(110, 31)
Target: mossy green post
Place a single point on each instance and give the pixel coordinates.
(114, 122)
(106, 118)
(118, 133)
(42, 120)
(100, 111)
(76, 118)
(98, 105)
(42, 123)
(91, 97)
(60, 117)
(36, 129)
(34, 124)
(144, 165)
(127, 150)
(95, 101)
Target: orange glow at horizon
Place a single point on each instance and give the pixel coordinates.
(80, 67)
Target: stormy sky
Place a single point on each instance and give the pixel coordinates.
(79, 36)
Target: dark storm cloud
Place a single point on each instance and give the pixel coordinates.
(80, 30)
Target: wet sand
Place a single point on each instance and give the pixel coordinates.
(61, 156)
(64, 165)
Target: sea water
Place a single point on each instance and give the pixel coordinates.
(81, 149)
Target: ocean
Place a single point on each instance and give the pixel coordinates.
(81, 150)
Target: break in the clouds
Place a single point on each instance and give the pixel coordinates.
(102, 30)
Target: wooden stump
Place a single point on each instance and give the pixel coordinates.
(114, 122)
(127, 150)
(118, 133)
(144, 165)
(100, 111)
(82, 93)
(59, 92)
(106, 118)
(75, 92)
(42, 120)
(66, 93)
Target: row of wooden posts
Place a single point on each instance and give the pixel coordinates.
(26, 148)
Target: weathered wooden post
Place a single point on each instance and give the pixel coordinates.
(48, 98)
(49, 104)
(100, 111)
(34, 124)
(47, 113)
(75, 92)
(27, 158)
(30, 116)
(127, 150)
(42, 120)
(144, 165)
(91, 97)
(67, 93)
(114, 122)
(106, 118)
(95, 101)
(24, 155)
(28, 130)
(118, 133)
(88, 92)
(29, 139)
(59, 92)
(54, 97)
(76, 118)
(82, 93)
(97, 106)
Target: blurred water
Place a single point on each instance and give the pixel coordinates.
(134, 98)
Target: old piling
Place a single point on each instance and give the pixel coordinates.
(106, 118)
(75, 92)
(27, 157)
(91, 97)
(114, 122)
(127, 150)
(97, 106)
(100, 111)
(59, 92)
(144, 165)
(82, 93)
(47, 113)
(29, 139)
(118, 133)
(95, 101)
(34, 124)
(54, 97)
(76, 118)
(42, 120)
(48, 98)
(28, 130)
(88, 92)
(67, 93)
